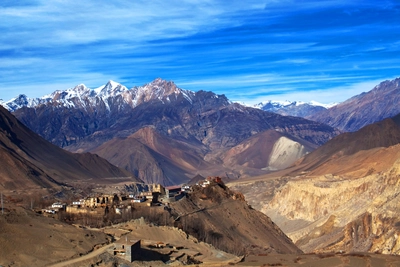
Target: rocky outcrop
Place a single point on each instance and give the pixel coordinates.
(339, 214)
(284, 153)
(350, 212)
(219, 216)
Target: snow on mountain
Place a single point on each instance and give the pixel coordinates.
(271, 104)
(293, 108)
(110, 89)
(329, 105)
(20, 101)
(107, 94)
(78, 91)
(114, 93)
(161, 90)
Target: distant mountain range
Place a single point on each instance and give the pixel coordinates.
(165, 134)
(293, 108)
(351, 115)
(162, 133)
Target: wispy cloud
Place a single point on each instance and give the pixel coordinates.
(328, 95)
(246, 50)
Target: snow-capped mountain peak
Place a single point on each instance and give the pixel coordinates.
(161, 90)
(78, 91)
(19, 102)
(80, 95)
(273, 105)
(111, 88)
(329, 105)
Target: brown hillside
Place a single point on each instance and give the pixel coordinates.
(341, 197)
(139, 159)
(29, 239)
(223, 218)
(381, 134)
(259, 151)
(369, 107)
(29, 161)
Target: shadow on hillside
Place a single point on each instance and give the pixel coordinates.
(150, 255)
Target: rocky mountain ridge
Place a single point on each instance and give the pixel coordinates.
(351, 115)
(293, 108)
(108, 95)
(84, 120)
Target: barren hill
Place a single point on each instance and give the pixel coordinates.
(341, 197)
(29, 161)
(270, 150)
(221, 217)
(381, 134)
(29, 239)
(162, 165)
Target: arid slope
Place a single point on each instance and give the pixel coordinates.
(29, 161)
(29, 239)
(342, 197)
(224, 219)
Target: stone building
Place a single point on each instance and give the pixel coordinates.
(128, 249)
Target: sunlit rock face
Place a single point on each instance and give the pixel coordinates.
(343, 196)
(342, 213)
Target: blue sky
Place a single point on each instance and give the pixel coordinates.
(326, 51)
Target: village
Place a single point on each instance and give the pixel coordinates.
(140, 195)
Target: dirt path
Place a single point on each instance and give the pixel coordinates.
(92, 254)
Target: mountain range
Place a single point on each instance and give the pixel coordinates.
(293, 108)
(349, 116)
(165, 134)
(162, 133)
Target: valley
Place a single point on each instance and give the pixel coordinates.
(203, 181)
(341, 197)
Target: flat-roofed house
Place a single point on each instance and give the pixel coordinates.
(126, 248)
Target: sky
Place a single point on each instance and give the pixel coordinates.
(251, 51)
